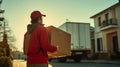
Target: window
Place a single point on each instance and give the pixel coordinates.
(99, 44)
(107, 18)
(99, 21)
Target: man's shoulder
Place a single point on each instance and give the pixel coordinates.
(25, 33)
(41, 27)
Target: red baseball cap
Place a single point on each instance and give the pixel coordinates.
(36, 14)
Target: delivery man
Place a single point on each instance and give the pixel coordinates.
(36, 42)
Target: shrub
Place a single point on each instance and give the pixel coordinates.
(5, 62)
(94, 57)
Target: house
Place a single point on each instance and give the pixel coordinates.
(92, 33)
(107, 31)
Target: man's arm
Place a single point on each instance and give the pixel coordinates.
(44, 40)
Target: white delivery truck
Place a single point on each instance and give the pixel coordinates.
(80, 40)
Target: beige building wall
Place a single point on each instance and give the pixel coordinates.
(104, 34)
(107, 39)
(112, 15)
(98, 34)
(104, 37)
(117, 11)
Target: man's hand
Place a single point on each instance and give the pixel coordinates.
(57, 48)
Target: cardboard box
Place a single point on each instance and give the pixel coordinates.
(61, 39)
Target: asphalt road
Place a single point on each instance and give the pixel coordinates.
(67, 64)
(82, 65)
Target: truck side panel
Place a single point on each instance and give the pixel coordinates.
(80, 35)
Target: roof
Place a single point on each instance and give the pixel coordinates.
(75, 23)
(111, 7)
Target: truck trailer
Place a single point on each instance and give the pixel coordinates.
(80, 39)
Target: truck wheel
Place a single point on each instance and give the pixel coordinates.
(50, 60)
(62, 59)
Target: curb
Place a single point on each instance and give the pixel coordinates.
(100, 62)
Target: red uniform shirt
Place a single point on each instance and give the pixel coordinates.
(39, 39)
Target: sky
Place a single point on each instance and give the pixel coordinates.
(17, 13)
